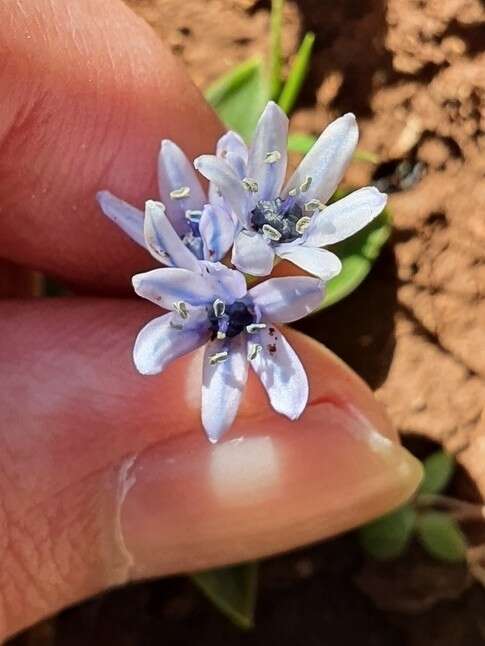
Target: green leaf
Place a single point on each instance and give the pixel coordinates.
(441, 536)
(301, 143)
(438, 471)
(239, 96)
(275, 77)
(297, 74)
(232, 590)
(387, 537)
(358, 253)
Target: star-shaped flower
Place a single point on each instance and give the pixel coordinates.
(238, 327)
(187, 225)
(293, 222)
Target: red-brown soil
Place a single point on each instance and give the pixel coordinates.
(414, 73)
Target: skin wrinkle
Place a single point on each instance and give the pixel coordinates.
(126, 480)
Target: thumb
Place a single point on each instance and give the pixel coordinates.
(106, 476)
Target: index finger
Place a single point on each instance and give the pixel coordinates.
(87, 91)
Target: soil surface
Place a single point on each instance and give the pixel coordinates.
(414, 73)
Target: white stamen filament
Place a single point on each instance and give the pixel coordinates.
(221, 335)
(218, 357)
(271, 233)
(252, 328)
(293, 192)
(250, 185)
(179, 193)
(219, 307)
(254, 351)
(302, 224)
(306, 184)
(314, 205)
(272, 157)
(181, 308)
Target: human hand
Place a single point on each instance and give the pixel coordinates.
(105, 475)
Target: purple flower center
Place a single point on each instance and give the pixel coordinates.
(281, 215)
(229, 320)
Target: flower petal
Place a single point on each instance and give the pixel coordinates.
(287, 299)
(168, 285)
(251, 254)
(158, 343)
(227, 284)
(327, 160)
(175, 172)
(127, 217)
(163, 242)
(345, 217)
(319, 262)
(270, 136)
(281, 373)
(220, 173)
(223, 385)
(232, 144)
(217, 229)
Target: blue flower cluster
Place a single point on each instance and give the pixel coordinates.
(207, 243)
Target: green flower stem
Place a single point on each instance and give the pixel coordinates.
(297, 74)
(275, 64)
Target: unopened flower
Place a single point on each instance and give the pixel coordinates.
(293, 222)
(238, 327)
(185, 217)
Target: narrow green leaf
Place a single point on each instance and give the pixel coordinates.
(387, 537)
(301, 143)
(438, 471)
(232, 590)
(366, 156)
(239, 96)
(441, 536)
(358, 254)
(297, 74)
(275, 76)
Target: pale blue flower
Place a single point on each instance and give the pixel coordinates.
(215, 308)
(293, 222)
(186, 226)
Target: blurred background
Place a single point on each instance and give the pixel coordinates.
(413, 71)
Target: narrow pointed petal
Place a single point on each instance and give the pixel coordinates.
(127, 217)
(251, 254)
(287, 299)
(233, 144)
(175, 172)
(217, 228)
(327, 160)
(158, 343)
(270, 138)
(223, 385)
(320, 262)
(342, 219)
(222, 175)
(281, 373)
(169, 285)
(163, 242)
